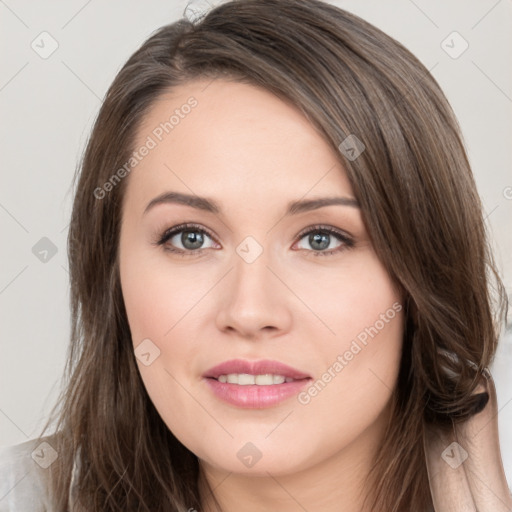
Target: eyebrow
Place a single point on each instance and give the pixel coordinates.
(209, 205)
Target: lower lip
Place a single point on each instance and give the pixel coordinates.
(252, 396)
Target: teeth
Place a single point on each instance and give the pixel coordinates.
(244, 379)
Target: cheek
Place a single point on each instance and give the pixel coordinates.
(360, 370)
(356, 300)
(359, 355)
(156, 305)
(161, 308)
(158, 300)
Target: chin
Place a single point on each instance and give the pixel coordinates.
(258, 458)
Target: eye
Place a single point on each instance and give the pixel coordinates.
(322, 237)
(185, 239)
(188, 239)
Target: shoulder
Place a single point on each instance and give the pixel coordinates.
(24, 475)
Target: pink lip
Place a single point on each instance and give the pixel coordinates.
(255, 368)
(254, 396)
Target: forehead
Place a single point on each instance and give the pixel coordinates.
(230, 139)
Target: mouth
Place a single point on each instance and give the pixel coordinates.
(246, 379)
(240, 371)
(255, 385)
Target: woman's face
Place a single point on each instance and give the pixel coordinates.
(256, 283)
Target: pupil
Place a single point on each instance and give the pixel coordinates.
(195, 239)
(317, 238)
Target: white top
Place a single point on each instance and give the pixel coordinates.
(24, 470)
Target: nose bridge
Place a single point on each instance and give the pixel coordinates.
(252, 299)
(250, 250)
(251, 276)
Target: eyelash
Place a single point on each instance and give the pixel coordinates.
(169, 233)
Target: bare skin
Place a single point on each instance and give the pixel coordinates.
(252, 154)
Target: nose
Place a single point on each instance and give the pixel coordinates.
(254, 302)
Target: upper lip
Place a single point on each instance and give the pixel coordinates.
(261, 367)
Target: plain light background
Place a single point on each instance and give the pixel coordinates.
(47, 106)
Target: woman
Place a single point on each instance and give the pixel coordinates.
(280, 282)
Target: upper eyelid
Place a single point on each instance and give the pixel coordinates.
(324, 227)
(170, 232)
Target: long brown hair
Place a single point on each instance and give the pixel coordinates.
(419, 203)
